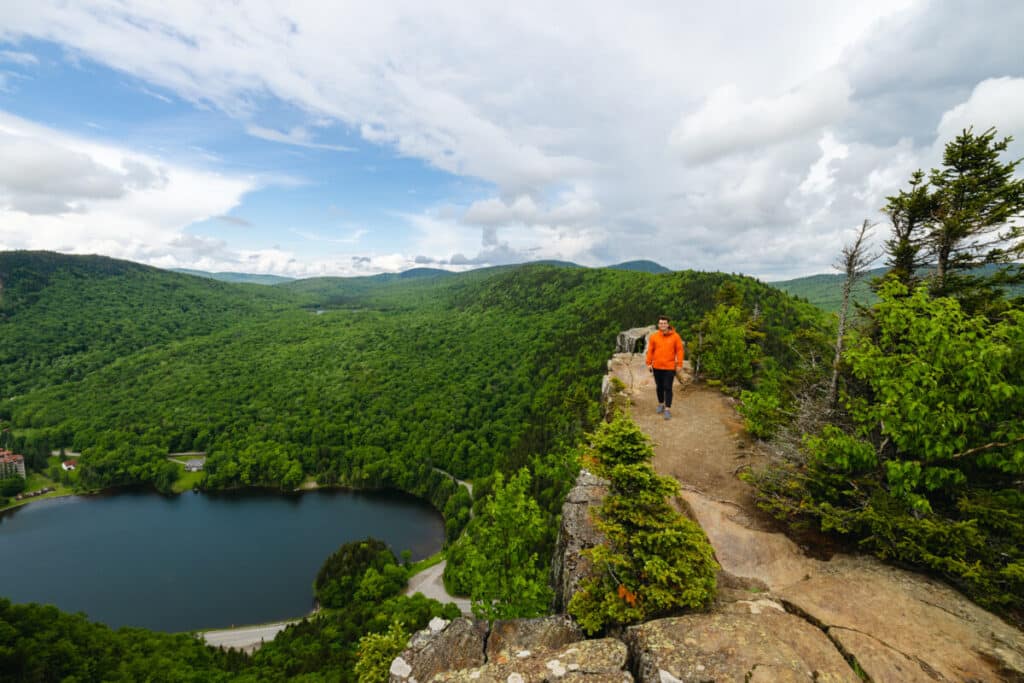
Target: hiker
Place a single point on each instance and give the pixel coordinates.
(664, 358)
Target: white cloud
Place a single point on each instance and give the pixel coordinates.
(297, 136)
(19, 58)
(728, 123)
(995, 102)
(683, 133)
(68, 193)
(821, 175)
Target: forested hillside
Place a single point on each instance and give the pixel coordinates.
(63, 317)
(390, 378)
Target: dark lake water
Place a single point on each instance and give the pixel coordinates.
(195, 561)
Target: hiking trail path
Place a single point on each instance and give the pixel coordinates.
(893, 625)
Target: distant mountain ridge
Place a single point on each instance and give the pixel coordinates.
(825, 290)
(643, 266)
(251, 278)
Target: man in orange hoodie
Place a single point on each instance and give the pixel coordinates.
(664, 358)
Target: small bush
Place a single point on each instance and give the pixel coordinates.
(654, 561)
(762, 413)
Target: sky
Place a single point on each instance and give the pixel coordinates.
(312, 138)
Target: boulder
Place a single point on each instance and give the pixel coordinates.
(509, 637)
(748, 641)
(576, 533)
(443, 646)
(590, 661)
(629, 341)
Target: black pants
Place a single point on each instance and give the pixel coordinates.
(663, 380)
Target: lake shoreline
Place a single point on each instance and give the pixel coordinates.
(183, 563)
(308, 485)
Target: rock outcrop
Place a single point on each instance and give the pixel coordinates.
(509, 638)
(442, 646)
(899, 625)
(588, 661)
(747, 641)
(577, 533)
(634, 340)
(512, 651)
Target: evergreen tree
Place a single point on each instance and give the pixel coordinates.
(976, 207)
(908, 212)
(654, 561)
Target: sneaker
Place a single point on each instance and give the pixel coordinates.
(667, 414)
(660, 409)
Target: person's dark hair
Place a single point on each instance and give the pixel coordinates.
(663, 317)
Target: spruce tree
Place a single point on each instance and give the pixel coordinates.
(975, 217)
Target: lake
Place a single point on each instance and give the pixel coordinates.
(196, 561)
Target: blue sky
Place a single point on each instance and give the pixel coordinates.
(304, 139)
(307, 199)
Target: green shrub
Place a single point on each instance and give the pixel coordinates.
(654, 560)
(762, 413)
(11, 486)
(376, 651)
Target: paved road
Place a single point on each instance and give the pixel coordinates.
(247, 638)
(429, 583)
(250, 638)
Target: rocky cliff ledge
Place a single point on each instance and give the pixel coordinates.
(856, 620)
(779, 616)
(576, 534)
(511, 651)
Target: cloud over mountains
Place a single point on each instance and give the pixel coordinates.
(749, 139)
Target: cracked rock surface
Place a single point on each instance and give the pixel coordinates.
(443, 646)
(512, 651)
(576, 533)
(748, 641)
(593, 661)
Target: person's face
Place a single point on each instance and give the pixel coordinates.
(663, 325)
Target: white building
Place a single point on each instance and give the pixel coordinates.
(11, 465)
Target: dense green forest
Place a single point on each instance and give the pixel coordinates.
(395, 381)
(389, 381)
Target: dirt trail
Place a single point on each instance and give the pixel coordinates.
(894, 624)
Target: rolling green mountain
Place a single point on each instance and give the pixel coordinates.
(63, 317)
(390, 377)
(826, 290)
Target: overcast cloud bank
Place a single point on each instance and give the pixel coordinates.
(700, 137)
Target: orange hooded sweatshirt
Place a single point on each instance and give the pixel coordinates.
(665, 350)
